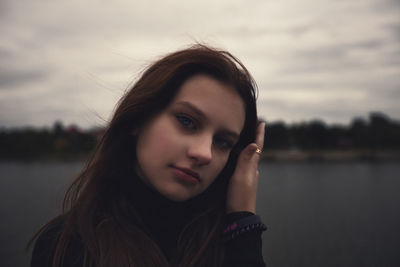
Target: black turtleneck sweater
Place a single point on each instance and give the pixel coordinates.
(163, 220)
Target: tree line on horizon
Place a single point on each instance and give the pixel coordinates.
(378, 132)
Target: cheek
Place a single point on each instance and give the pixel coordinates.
(223, 162)
(155, 142)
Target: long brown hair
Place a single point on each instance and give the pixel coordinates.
(96, 207)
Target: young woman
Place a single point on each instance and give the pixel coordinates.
(173, 181)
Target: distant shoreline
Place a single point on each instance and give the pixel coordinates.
(330, 155)
(278, 155)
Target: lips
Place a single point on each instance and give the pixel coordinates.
(186, 174)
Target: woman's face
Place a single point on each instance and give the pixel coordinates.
(182, 150)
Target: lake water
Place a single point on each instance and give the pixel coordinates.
(319, 214)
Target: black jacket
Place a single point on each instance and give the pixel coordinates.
(163, 220)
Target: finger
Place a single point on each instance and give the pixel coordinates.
(260, 135)
(247, 167)
(248, 152)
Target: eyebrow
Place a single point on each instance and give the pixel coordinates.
(201, 114)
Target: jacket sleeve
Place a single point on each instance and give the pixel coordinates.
(246, 249)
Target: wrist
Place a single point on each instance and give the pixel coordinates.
(241, 208)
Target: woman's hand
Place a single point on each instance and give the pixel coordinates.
(242, 187)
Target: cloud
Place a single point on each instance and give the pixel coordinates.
(62, 59)
(12, 77)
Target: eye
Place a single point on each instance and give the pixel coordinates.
(223, 143)
(186, 121)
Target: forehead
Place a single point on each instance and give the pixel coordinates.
(220, 103)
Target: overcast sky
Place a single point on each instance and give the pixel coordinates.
(312, 59)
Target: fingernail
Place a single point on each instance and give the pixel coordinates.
(261, 121)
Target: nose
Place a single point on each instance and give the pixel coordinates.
(200, 149)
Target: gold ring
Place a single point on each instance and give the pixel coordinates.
(258, 151)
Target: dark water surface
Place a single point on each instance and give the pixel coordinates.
(320, 214)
